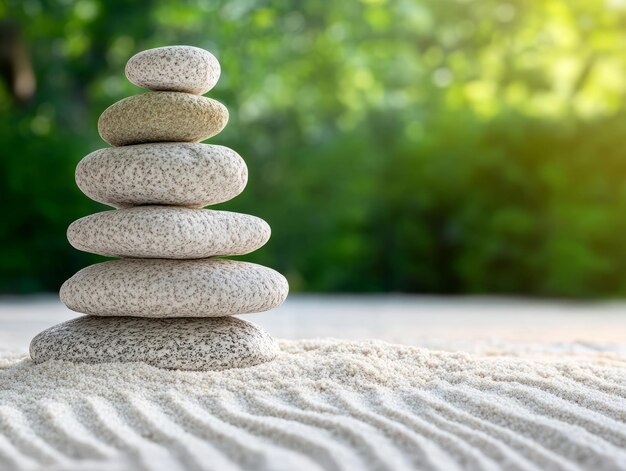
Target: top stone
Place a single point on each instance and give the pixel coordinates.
(174, 68)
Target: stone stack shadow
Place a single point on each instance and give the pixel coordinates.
(168, 300)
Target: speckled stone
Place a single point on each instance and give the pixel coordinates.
(162, 117)
(168, 232)
(174, 68)
(174, 288)
(177, 173)
(185, 344)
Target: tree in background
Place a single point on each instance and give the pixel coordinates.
(402, 145)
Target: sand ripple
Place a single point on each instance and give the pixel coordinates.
(326, 405)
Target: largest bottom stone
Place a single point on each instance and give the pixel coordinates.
(184, 343)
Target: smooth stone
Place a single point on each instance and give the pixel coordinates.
(174, 68)
(184, 344)
(177, 173)
(174, 288)
(162, 117)
(168, 232)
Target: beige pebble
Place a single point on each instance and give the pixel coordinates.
(168, 232)
(171, 173)
(174, 288)
(162, 117)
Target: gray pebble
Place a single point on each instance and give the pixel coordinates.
(185, 344)
(174, 68)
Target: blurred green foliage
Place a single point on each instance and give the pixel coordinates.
(405, 145)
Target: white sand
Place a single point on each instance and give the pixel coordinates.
(322, 405)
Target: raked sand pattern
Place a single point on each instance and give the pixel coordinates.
(320, 405)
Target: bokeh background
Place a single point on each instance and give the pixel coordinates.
(422, 146)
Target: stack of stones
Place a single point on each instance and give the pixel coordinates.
(168, 301)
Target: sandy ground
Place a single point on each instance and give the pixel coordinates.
(320, 405)
(525, 385)
(455, 323)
